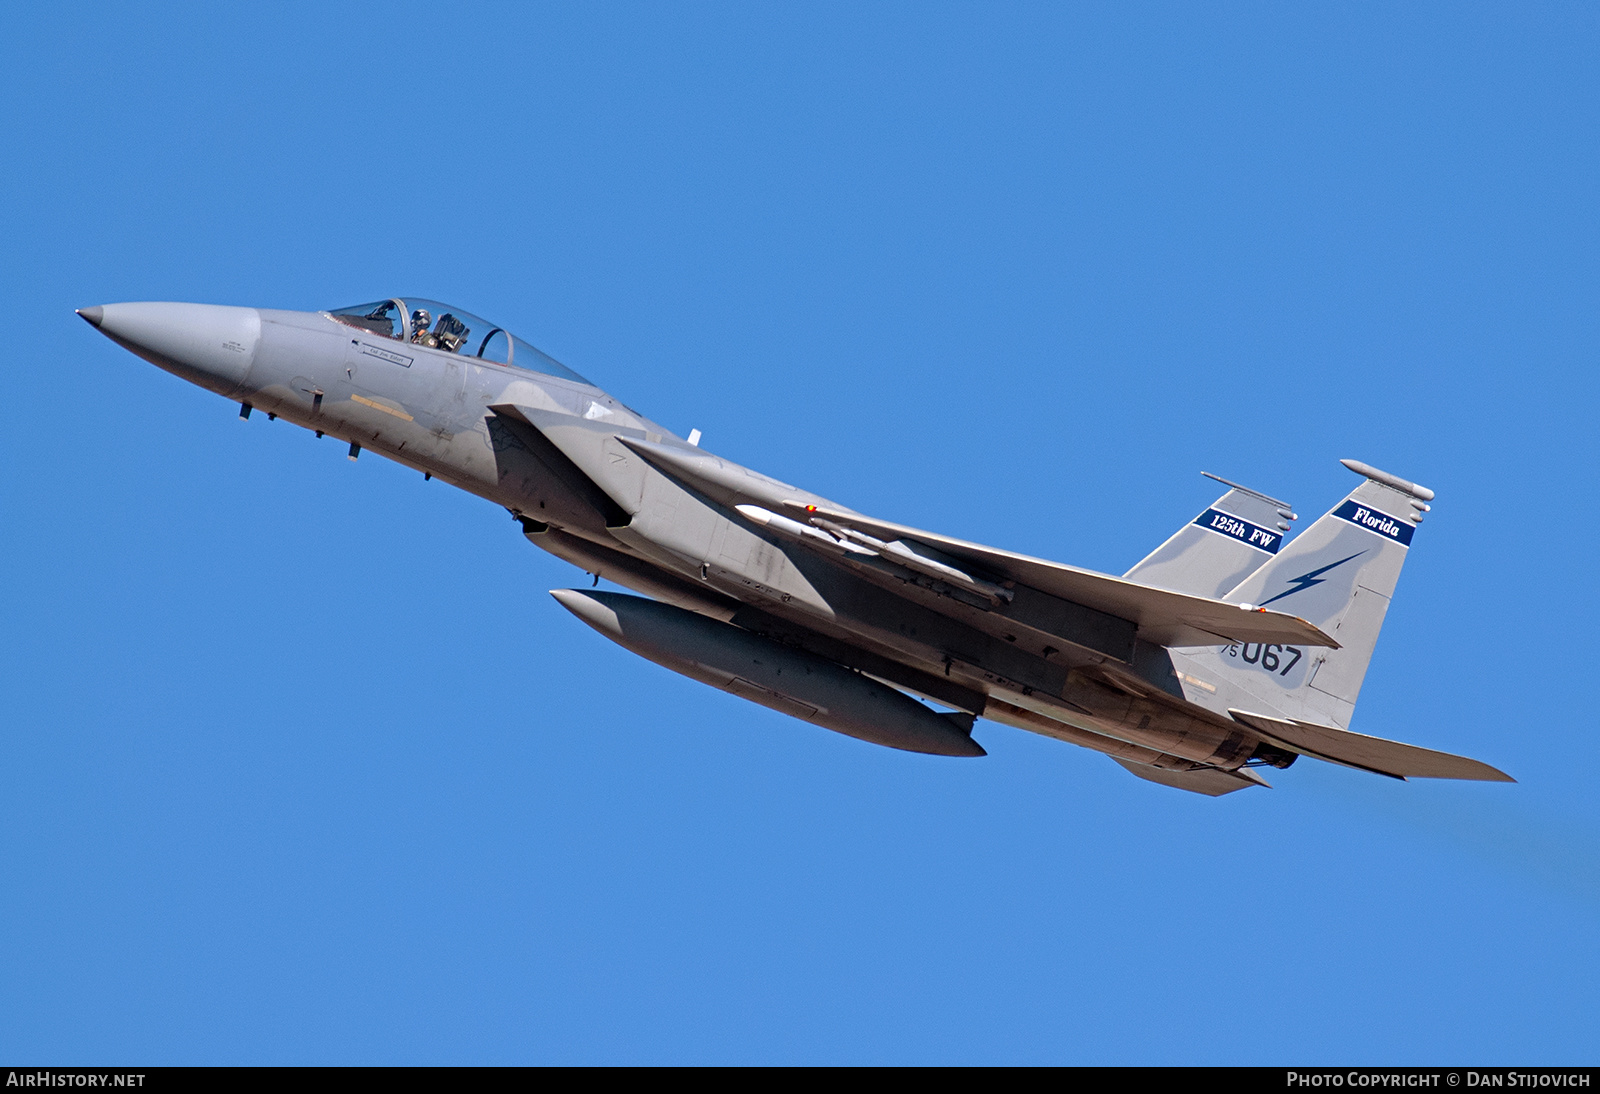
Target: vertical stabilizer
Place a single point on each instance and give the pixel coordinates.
(1235, 536)
(1339, 574)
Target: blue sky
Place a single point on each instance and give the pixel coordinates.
(301, 764)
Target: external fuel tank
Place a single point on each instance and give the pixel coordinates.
(752, 667)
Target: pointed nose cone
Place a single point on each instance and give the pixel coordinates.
(206, 344)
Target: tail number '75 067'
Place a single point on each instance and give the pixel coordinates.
(1272, 658)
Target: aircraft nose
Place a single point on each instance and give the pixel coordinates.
(206, 344)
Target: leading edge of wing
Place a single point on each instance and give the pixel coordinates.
(1162, 616)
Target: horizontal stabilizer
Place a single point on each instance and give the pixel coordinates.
(1161, 615)
(1340, 746)
(1210, 781)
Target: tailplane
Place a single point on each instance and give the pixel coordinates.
(1381, 757)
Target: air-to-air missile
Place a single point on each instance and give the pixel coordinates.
(1229, 649)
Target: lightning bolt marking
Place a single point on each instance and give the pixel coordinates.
(1305, 581)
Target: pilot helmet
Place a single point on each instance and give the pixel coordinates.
(420, 319)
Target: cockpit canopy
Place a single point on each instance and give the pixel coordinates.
(451, 330)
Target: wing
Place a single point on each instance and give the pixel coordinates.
(1101, 612)
(1160, 615)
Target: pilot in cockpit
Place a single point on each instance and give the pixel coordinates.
(448, 335)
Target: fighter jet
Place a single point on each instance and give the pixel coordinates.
(1228, 650)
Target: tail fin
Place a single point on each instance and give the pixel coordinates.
(1339, 574)
(1237, 535)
